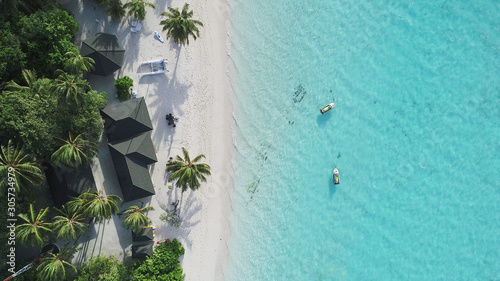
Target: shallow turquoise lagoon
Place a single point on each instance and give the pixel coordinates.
(415, 135)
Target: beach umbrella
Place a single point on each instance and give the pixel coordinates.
(105, 50)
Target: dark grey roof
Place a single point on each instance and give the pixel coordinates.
(126, 119)
(141, 250)
(145, 234)
(105, 50)
(66, 183)
(139, 148)
(131, 159)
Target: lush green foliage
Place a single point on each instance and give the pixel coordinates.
(77, 64)
(180, 26)
(186, 172)
(122, 85)
(135, 217)
(114, 8)
(95, 205)
(75, 152)
(38, 117)
(55, 266)
(137, 8)
(12, 8)
(34, 229)
(68, 223)
(12, 57)
(163, 265)
(102, 268)
(47, 36)
(25, 173)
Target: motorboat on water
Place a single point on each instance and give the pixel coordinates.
(336, 178)
(327, 108)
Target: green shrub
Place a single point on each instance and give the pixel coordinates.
(45, 38)
(163, 265)
(122, 85)
(102, 268)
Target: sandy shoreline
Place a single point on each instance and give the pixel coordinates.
(197, 90)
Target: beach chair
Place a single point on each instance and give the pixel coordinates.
(136, 28)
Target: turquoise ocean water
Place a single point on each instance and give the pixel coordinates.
(415, 134)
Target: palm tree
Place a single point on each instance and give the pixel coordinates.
(31, 88)
(115, 9)
(179, 25)
(53, 266)
(135, 217)
(75, 152)
(16, 164)
(78, 64)
(70, 86)
(186, 173)
(34, 230)
(69, 223)
(137, 8)
(99, 206)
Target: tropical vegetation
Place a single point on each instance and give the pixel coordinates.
(137, 8)
(34, 229)
(103, 268)
(180, 25)
(77, 64)
(56, 266)
(163, 265)
(135, 217)
(75, 152)
(95, 205)
(69, 223)
(114, 8)
(123, 85)
(16, 164)
(188, 173)
(38, 117)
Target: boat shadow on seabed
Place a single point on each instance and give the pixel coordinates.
(332, 188)
(322, 119)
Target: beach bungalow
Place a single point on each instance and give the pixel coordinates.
(128, 128)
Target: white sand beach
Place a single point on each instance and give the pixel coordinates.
(196, 89)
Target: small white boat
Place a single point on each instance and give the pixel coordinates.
(158, 36)
(336, 178)
(327, 108)
(153, 67)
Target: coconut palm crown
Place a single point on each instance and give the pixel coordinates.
(186, 172)
(77, 64)
(137, 8)
(135, 217)
(70, 86)
(180, 26)
(115, 9)
(32, 88)
(17, 165)
(34, 230)
(96, 205)
(69, 223)
(53, 266)
(76, 152)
